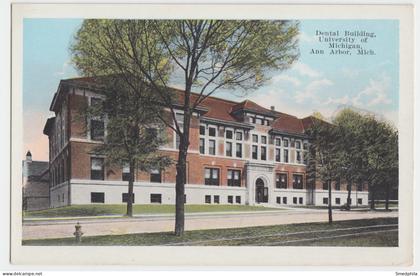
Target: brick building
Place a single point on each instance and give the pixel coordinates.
(240, 153)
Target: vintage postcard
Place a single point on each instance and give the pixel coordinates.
(212, 134)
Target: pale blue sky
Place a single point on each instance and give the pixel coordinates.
(314, 83)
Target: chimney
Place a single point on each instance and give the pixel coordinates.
(29, 156)
(272, 108)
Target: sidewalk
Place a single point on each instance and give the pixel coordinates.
(194, 221)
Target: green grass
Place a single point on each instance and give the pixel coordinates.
(251, 236)
(382, 205)
(120, 209)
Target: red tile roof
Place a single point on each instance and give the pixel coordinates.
(222, 109)
(288, 123)
(251, 106)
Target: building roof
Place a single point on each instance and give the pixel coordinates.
(212, 107)
(249, 105)
(36, 169)
(48, 125)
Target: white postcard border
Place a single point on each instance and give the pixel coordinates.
(221, 256)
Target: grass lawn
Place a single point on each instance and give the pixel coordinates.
(253, 236)
(120, 209)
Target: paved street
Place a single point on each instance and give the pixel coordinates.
(59, 228)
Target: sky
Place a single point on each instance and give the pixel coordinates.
(315, 82)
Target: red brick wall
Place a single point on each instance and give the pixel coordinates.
(77, 127)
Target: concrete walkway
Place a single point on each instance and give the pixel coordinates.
(59, 228)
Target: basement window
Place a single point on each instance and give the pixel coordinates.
(97, 197)
(155, 198)
(125, 197)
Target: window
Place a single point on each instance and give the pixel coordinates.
(305, 146)
(126, 172)
(155, 176)
(360, 187)
(62, 198)
(294, 200)
(180, 120)
(155, 198)
(284, 200)
(212, 131)
(277, 155)
(239, 150)
(234, 178)
(97, 197)
(263, 153)
(281, 180)
(207, 199)
(96, 168)
(239, 136)
(264, 140)
(258, 121)
(211, 176)
(212, 147)
(252, 119)
(297, 144)
(298, 157)
(300, 200)
(337, 201)
(297, 181)
(216, 199)
(97, 128)
(286, 156)
(238, 199)
(229, 134)
(325, 186)
(325, 200)
(285, 143)
(360, 201)
(254, 152)
(278, 200)
(230, 199)
(305, 157)
(202, 130)
(185, 198)
(337, 185)
(278, 142)
(125, 197)
(254, 138)
(177, 141)
(228, 149)
(202, 146)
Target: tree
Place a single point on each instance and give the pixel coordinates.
(380, 154)
(201, 55)
(368, 152)
(132, 135)
(324, 156)
(350, 145)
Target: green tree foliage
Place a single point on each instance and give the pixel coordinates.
(357, 148)
(133, 133)
(200, 55)
(323, 156)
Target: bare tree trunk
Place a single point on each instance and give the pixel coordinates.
(348, 195)
(181, 169)
(387, 194)
(130, 190)
(330, 219)
(372, 198)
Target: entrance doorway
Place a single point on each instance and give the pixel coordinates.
(261, 192)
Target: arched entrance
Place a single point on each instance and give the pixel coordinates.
(261, 192)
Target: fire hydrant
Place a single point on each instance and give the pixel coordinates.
(78, 233)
